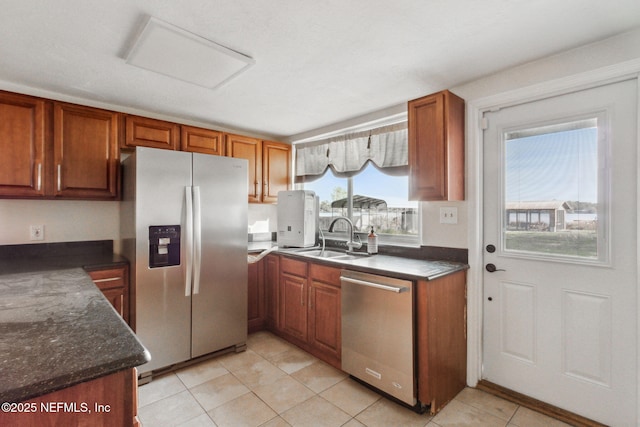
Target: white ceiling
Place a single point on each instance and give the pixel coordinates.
(317, 62)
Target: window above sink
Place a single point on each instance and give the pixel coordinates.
(363, 176)
(395, 219)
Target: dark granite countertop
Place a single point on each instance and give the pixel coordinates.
(58, 330)
(90, 255)
(401, 267)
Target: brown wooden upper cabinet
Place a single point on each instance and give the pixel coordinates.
(269, 165)
(199, 140)
(244, 147)
(436, 147)
(276, 169)
(57, 150)
(86, 154)
(145, 132)
(23, 146)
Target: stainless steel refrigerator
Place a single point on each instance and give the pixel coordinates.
(184, 230)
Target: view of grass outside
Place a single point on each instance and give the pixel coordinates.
(578, 243)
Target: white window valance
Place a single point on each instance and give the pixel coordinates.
(347, 155)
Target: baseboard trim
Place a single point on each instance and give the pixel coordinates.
(537, 405)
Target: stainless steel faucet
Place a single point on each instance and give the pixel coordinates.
(351, 244)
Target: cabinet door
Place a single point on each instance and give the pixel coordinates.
(293, 306)
(441, 341)
(22, 144)
(114, 284)
(276, 170)
(324, 318)
(243, 147)
(198, 140)
(271, 287)
(325, 310)
(145, 132)
(255, 292)
(436, 147)
(86, 155)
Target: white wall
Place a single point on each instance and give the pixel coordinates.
(444, 235)
(262, 218)
(85, 220)
(595, 56)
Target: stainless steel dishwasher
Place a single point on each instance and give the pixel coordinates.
(377, 333)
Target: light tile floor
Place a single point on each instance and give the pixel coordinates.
(275, 384)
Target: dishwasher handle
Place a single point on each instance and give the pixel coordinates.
(389, 288)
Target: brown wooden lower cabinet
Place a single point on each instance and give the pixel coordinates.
(255, 295)
(303, 303)
(114, 284)
(441, 339)
(293, 298)
(325, 329)
(271, 300)
(108, 401)
(303, 306)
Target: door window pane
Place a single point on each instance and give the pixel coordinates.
(552, 192)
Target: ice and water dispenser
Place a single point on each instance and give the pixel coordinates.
(164, 245)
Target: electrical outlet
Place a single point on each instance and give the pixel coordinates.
(448, 215)
(37, 232)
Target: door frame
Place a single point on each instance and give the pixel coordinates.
(474, 184)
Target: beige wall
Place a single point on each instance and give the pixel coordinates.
(64, 220)
(67, 221)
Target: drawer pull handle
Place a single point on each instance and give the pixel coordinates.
(110, 279)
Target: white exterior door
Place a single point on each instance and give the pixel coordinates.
(560, 251)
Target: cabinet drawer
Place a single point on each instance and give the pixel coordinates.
(322, 273)
(108, 279)
(293, 266)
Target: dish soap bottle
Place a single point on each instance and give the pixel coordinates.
(372, 242)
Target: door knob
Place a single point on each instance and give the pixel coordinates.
(492, 268)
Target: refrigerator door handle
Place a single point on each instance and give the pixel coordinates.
(197, 236)
(188, 199)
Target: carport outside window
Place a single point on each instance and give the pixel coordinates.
(553, 195)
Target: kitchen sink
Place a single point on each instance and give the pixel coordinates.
(329, 254)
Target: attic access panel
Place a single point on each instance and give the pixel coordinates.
(166, 49)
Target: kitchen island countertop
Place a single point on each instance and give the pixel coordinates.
(58, 330)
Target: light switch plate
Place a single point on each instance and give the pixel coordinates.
(448, 215)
